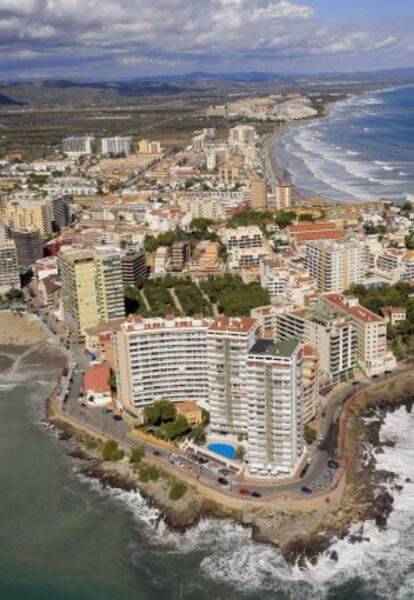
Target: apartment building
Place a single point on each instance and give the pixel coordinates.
(92, 288)
(61, 215)
(250, 236)
(371, 333)
(134, 266)
(309, 231)
(284, 195)
(180, 255)
(28, 246)
(257, 193)
(161, 358)
(335, 266)
(117, 146)
(275, 406)
(285, 283)
(76, 146)
(229, 340)
(9, 267)
(329, 331)
(28, 213)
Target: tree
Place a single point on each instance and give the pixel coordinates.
(137, 454)
(112, 382)
(309, 434)
(162, 411)
(112, 452)
(177, 490)
(285, 218)
(176, 428)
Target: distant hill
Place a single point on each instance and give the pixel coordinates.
(199, 83)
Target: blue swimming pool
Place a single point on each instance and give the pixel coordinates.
(225, 450)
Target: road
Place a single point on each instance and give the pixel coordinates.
(318, 477)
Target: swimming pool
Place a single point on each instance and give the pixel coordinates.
(226, 450)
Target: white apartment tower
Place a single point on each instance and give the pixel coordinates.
(229, 340)
(161, 358)
(275, 405)
(117, 145)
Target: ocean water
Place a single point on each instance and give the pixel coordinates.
(363, 150)
(63, 537)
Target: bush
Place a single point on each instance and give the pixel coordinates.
(149, 473)
(177, 490)
(137, 454)
(92, 443)
(112, 452)
(309, 434)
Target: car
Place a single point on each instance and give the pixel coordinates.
(319, 486)
(332, 464)
(244, 492)
(224, 472)
(307, 491)
(117, 418)
(107, 411)
(156, 453)
(222, 481)
(256, 495)
(356, 382)
(178, 463)
(202, 461)
(375, 376)
(387, 372)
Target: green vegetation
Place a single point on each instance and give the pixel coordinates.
(177, 490)
(262, 218)
(409, 242)
(160, 412)
(137, 454)
(374, 229)
(163, 422)
(198, 232)
(191, 299)
(112, 381)
(92, 443)
(309, 434)
(233, 297)
(112, 452)
(148, 473)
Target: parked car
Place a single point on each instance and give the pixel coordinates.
(307, 491)
(332, 464)
(156, 453)
(222, 481)
(117, 418)
(244, 492)
(256, 495)
(202, 461)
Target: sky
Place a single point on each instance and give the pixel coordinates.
(121, 39)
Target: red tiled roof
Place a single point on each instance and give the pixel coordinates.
(359, 312)
(235, 324)
(96, 379)
(312, 226)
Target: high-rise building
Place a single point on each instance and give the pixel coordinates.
(229, 340)
(134, 266)
(117, 145)
(335, 265)
(60, 212)
(180, 255)
(161, 358)
(327, 329)
(92, 288)
(284, 192)
(257, 193)
(9, 267)
(28, 246)
(275, 405)
(27, 213)
(76, 146)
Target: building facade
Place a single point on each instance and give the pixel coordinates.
(9, 267)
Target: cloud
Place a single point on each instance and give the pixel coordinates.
(173, 34)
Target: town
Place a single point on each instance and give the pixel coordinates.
(210, 313)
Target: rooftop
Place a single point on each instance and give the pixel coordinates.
(275, 347)
(235, 324)
(357, 311)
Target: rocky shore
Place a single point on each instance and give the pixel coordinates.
(301, 528)
(367, 492)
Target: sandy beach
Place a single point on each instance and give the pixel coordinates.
(19, 330)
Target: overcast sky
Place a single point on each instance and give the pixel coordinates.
(126, 38)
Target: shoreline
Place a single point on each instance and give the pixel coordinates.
(270, 140)
(302, 528)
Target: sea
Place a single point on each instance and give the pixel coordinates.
(64, 537)
(363, 150)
